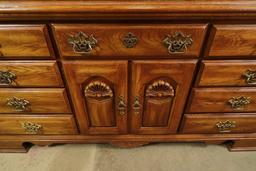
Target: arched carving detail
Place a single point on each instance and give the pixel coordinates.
(98, 89)
(160, 88)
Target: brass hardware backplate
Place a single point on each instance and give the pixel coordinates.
(130, 40)
(177, 43)
(121, 105)
(239, 102)
(250, 77)
(82, 43)
(31, 128)
(225, 126)
(7, 77)
(136, 105)
(19, 104)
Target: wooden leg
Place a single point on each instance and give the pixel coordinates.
(243, 145)
(128, 144)
(13, 147)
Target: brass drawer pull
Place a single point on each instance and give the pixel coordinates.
(82, 43)
(250, 77)
(239, 102)
(31, 128)
(130, 40)
(7, 77)
(122, 105)
(19, 104)
(225, 126)
(177, 43)
(136, 105)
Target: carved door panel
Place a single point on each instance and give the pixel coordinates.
(159, 91)
(99, 94)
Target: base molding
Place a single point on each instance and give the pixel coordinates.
(18, 143)
(243, 145)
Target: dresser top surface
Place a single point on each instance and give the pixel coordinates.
(143, 9)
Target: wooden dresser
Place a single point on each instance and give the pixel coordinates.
(127, 73)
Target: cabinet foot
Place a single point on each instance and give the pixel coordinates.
(243, 145)
(128, 144)
(13, 147)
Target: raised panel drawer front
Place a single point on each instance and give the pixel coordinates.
(218, 123)
(227, 73)
(99, 93)
(159, 91)
(29, 74)
(36, 100)
(37, 124)
(233, 40)
(204, 100)
(127, 40)
(24, 41)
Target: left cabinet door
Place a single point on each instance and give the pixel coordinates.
(99, 93)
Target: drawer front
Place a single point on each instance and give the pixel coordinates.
(218, 123)
(205, 100)
(50, 100)
(109, 40)
(228, 73)
(37, 124)
(233, 40)
(24, 41)
(29, 74)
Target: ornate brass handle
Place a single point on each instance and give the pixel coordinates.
(225, 126)
(7, 77)
(239, 102)
(130, 40)
(177, 43)
(31, 128)
(136, 105)
(250, 77)
(82, 43)
(122, 105)
(19, 104)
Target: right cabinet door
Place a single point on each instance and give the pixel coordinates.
(159, 91)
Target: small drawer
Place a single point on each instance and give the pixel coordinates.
(227, 73)
(37, 124)
(36, 100)
(24, 41)
(218, 123)
(29, 74)
(123, 40)
(233, 40)
(204, 100)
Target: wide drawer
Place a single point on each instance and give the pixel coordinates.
(233, 40)
(204, 100)
(37, 124)
(36, 100)
(123, 40)
(24, 41)
(30, 74)
(227, 73)
(218, 123)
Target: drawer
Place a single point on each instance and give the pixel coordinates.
(227, 73)
(24, 41)
(110, 40)
(233, 40)
(29, 74)
(218, 123)
(37, 124)
(49, 100)
(205, 100)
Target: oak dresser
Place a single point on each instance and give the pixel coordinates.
(128, 73)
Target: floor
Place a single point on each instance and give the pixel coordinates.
(155, 157)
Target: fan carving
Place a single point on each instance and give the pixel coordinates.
(160, 88)
(98, 89)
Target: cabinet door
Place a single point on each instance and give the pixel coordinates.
(99, 94)
(159, 91)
